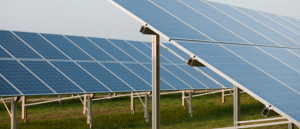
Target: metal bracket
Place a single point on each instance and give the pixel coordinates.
(17, 98)
(194, 62)
(268, 111)
(146, 30)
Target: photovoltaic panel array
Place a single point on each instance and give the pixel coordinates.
(40, 64)
(256, 51)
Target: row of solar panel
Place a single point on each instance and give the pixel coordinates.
(210, 21)
(34, 64)
(269, 73)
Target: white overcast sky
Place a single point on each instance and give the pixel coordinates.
(99, 18)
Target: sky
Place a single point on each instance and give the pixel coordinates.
(99, 18)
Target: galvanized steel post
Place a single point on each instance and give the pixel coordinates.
(13, 113)
(236, 106)
(155, 82)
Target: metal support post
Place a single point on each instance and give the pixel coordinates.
(109, 95)
(236, 106)
(115, 94)
(89, 111)
(146, 115)
(223, 97)
(59, 97)
(183, 100)
(155, 82)
(291, 125)
(84, 103)
(13, 113)
(214, 92)
(24, 110)
(132, 104)
(190, 104)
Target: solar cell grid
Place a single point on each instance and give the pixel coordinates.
(130, 50)
(3, 53)
(111, 49)
(66, 46)
(193, 18)
(106, 77)
(158, 18)
(282, 22)
(22, 78)
(272, 25)
(15, 46)
(292, 20)
(130, 78)
(90, 48)
(271, 34)
(228, 22)
(52, 77)
(7, 89)
(41, 45)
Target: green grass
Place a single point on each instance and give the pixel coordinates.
(208, 113)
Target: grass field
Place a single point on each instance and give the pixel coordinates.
(115, 114)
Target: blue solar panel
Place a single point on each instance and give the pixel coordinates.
(285, 56)
(130, 78)
(206, 70)
(171, 79)
(194, 83)
(41, 45)
(193, 18)
(130, 50)
(162, 60)
(270, 76)
(48, 73)
(22, 79)
(171, 57)
(160, 19)
(90, 48)
(7, 89)
(228, 22)
(292, 20)
(273, 25)
(282, 22)
(80, 77)
(3, 53)
(177, 50)
(67, 47)
(147, 75)
(15, 46)
(255, 25)
(199, 76)
(268, 64)
(107, 78)
(242, 72)
(111, 49)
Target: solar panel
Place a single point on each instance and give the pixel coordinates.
(282, 22)
(22, 79)
(272, 25)
(251, 50)
(294, 21)
(15, 46)
(41, 45)
(206, 70)
(228, 22)
(261, 28)
(46, 64)
(63, 44)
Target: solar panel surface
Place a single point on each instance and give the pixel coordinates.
(40, 64)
